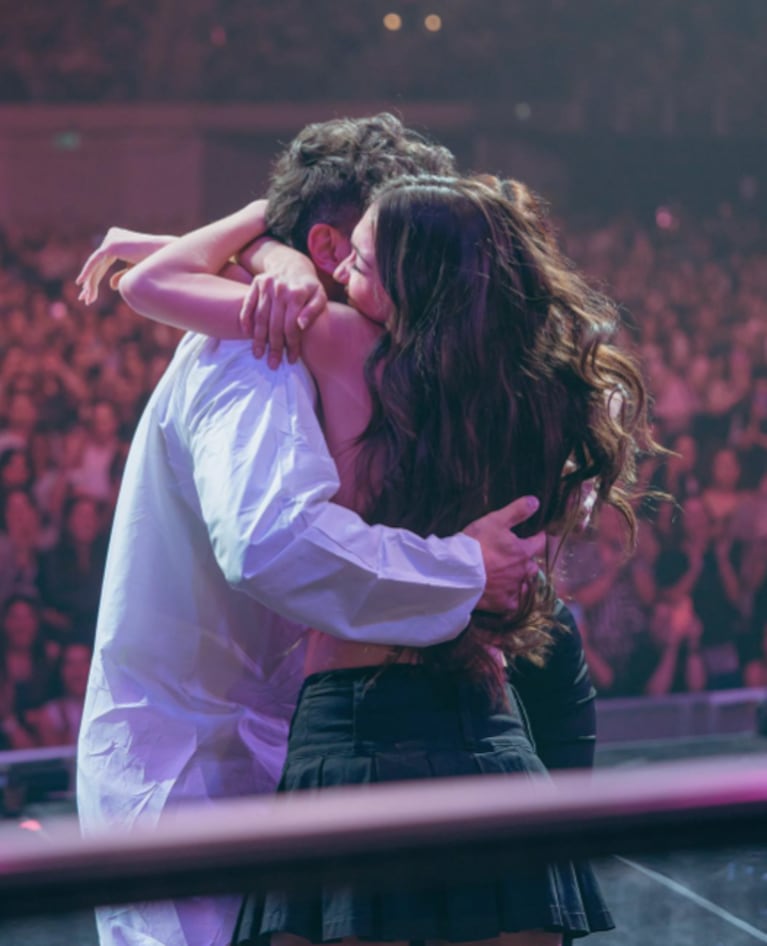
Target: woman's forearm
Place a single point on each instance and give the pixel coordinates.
(181, 285)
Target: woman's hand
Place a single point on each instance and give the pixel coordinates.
(275, 312)
(118, 246)
(282, 302)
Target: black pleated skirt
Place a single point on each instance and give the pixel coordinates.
(398, 723)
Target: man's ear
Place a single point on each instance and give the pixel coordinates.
(327, 247)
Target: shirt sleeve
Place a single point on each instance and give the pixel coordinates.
(559, 698)
(265, 481)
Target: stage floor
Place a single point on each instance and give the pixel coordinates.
(680, 899)
(716, 898)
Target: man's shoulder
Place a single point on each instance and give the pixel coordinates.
(200, 353)
(208, 373)
(202, 361)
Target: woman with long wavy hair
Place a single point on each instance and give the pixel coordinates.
(497, 375)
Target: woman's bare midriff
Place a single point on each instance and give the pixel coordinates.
(325, 652)
(329, 653)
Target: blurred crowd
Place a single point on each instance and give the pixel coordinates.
(73, 382)
(688, 612)
(611, 63)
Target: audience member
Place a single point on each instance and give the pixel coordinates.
(57, 721)
(614, 596)
(26, 668)
(22, 540)
(71, 572)
(670, 658)
(98, 451)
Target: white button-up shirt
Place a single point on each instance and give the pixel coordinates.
(224, 518)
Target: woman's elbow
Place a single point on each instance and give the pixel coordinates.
(139, 288)
(131, 285)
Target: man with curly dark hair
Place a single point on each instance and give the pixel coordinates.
(330, 170)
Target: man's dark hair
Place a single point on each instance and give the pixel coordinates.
(330, 169)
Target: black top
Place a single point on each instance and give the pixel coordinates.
(559, 699)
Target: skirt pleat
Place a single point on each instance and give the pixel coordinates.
(399, 724)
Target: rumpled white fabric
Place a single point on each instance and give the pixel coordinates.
(223, 520)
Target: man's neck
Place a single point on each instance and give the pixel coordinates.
(335, 291)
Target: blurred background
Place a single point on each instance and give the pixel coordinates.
(643, 126)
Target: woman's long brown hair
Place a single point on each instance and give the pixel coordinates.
(499, 378)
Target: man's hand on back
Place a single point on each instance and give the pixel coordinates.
(509, 560)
